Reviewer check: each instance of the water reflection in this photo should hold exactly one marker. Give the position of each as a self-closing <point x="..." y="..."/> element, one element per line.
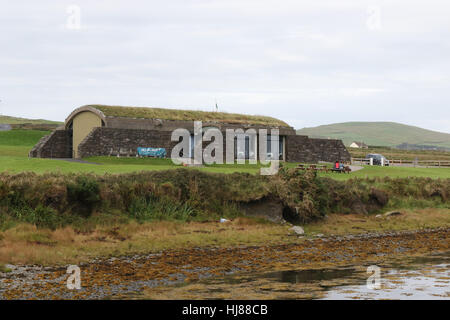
<point x="428" y="282"/>
<point x="305" y="276"/>
<point x="406" y="278"/>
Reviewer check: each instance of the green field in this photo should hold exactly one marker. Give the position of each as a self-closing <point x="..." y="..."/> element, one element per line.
<point x="15" y="145"/>
<point x="393" y="172"/>
<point x="378" y="134"/>
<point x="397" y="154"/>
<point x="19" y="164"/>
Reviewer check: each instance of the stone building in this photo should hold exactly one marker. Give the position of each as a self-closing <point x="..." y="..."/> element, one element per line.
<point x="98" y="130"/>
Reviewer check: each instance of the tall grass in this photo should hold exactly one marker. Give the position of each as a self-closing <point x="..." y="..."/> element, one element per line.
<point x="53" y="200"/>
<point x="143" y="210"/>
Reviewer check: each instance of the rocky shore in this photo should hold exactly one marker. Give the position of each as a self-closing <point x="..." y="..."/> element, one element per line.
<point x="126" y="277"/>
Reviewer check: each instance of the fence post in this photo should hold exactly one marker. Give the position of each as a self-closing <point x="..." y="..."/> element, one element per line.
<point x="371" y="161"/>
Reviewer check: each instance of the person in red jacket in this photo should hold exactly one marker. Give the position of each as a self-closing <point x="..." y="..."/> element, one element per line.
<point x="336" y="165"/>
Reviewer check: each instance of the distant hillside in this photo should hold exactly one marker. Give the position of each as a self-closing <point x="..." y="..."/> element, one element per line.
<point x="14" y="120"/>
<point x="379" y="134"/>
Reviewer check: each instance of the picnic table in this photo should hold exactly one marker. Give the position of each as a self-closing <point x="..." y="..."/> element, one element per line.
<point x="344" y="169"/>
<point x="324" y="168"/>
<point x="312" y="167"/>
<point x="122" y="152"/>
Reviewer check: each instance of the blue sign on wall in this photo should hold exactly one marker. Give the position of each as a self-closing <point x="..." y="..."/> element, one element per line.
<point x="152" y="152"/>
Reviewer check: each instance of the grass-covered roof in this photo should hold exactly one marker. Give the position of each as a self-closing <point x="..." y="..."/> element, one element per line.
<point x="187" y="115"/>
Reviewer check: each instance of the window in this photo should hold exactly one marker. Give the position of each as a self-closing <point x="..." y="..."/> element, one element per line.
<point x="270" y="155"/>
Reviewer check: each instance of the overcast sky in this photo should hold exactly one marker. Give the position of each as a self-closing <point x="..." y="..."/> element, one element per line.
<point x="305" y="62"/>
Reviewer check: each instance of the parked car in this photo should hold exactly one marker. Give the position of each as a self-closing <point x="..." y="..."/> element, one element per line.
<point x="377" y="159"/>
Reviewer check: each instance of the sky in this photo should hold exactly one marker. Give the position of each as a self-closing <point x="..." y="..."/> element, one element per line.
<point x="308" y="63"/>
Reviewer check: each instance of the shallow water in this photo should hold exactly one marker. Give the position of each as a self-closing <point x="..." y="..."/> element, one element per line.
<point x="411" y="278"/>
<point x="430" y="281"/>
<point x="420" y="278"/>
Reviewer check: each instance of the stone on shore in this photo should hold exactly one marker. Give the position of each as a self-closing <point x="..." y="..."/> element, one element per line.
<point x="298" y="230"/>
<point x="392" y="213"/>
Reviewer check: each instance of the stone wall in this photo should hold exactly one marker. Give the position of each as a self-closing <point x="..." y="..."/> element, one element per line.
<point x="330" y="150"/>
<point x="102" y="140"/>
<point x="304" y="149"/>
<point x="58" y="144"/>
<point x="299" y="149"/>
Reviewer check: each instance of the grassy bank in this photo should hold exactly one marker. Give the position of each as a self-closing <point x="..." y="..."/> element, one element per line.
<point x="55" y="200"/>
<point x="62" y="218"/>
<point x="26" y="244"/>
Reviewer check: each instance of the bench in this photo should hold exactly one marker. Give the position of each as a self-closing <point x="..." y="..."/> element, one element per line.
<point x="345" y="169"/>
<point x="122" y="152"/>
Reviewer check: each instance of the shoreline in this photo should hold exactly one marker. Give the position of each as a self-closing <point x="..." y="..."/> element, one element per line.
<point x="122" y="276"/>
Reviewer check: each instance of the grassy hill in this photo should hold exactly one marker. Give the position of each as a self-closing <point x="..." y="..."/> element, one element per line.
<point x="379" y="134"/>
<point x="14" y="120"/>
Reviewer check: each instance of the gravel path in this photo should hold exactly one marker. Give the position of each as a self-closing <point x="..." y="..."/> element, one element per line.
<point x="355" y="168"/>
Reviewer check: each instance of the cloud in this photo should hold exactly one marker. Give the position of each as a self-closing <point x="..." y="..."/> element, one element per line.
<point x="299" y="61"/>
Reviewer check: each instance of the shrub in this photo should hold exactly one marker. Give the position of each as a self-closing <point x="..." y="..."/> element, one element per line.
<point x="54" y="199"/>
<point x="160" y="209"/>
<point x="84" y="194"/>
